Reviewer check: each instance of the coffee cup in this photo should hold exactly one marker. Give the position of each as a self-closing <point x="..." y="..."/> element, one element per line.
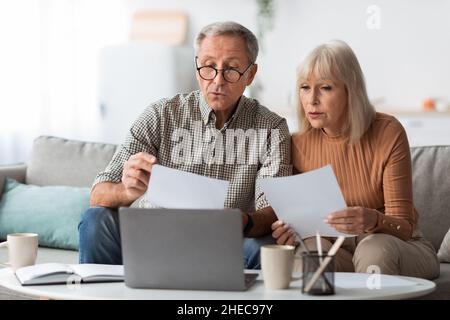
<point x="277" y="262"/>
<point x="22" y="250"/>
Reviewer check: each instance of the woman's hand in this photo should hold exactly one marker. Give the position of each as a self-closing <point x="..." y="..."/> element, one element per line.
<point x="353" y="220"/>
<point x="283" y="233"/>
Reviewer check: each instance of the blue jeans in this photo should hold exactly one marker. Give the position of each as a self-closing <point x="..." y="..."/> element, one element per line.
<point x="100" y="240"/>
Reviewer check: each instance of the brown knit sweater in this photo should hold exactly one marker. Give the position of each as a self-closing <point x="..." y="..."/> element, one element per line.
<point x="373" y="173"/>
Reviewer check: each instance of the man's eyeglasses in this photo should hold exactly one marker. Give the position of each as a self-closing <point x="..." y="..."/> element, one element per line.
<point x="229" y="74"/>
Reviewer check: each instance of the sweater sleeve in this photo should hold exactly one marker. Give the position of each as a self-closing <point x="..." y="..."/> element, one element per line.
<point x="398" y="218"/>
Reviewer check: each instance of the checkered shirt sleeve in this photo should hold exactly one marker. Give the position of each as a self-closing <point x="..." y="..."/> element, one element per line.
<point x="143" y="136"/>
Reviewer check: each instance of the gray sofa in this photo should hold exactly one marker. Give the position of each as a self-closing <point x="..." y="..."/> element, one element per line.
<point x="56" y="161"/>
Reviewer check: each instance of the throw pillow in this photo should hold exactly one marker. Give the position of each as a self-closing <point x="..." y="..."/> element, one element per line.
<point x="444" y="250"/>
<point x="53" y="212"/>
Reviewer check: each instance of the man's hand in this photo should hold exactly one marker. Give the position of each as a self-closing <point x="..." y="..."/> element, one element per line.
<point x="136" y="174"/>
<point x="244" y="220"/>
<point x="284" y="233"/>
<point x="353" y="220"/>
<point x="262" y="220"/>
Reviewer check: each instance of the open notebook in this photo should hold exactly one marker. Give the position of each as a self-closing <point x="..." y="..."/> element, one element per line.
<point x="53" y="273"/>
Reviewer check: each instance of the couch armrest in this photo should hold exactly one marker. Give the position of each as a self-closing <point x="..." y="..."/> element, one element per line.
<point x="16" y="171"/>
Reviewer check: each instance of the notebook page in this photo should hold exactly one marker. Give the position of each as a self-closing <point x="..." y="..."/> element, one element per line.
<point x="31" y="272"/>
<point x="88" y="270"/>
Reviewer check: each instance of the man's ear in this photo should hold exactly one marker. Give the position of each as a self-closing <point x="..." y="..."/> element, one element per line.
<point x="197" y="76"/>
<point x="251" y="74"/>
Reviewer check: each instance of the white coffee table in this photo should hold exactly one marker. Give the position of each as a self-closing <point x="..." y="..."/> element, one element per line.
<point x="348" y="286"/>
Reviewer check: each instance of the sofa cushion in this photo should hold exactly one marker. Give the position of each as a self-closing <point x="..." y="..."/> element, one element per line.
<point x="15" y="171"/>
<point x="52" y="212"/>
<point x="431" y="186"/>
<point x="56" y="161"/>
<point x="444" y="250"/>
<point x="442" y="291"/>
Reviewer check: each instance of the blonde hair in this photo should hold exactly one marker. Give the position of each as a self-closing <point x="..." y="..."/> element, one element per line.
<point x="335" y="60"/>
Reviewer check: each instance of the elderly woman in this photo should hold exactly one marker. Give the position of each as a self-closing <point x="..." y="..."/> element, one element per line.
<point x="370" y="156"/>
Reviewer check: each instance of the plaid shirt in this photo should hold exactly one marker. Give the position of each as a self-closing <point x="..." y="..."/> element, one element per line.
<point x="178" y="131"/>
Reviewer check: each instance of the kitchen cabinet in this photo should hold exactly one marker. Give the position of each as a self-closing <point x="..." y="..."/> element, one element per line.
<point x="422" y="128"/>
<point x="426" y="128"/>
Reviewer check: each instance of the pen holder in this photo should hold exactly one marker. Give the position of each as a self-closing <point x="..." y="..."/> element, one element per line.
<point x="317" y="283"/>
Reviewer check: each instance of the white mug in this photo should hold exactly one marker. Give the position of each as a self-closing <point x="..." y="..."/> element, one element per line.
<point x="22" y="249"/>
<point x="277" y="262"/>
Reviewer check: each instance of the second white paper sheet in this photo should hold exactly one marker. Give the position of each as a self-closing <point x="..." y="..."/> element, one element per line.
<point x="176" y="189"/>
<point x="305" y="200"/>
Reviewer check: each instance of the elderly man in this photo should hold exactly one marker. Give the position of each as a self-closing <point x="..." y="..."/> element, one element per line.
<point x="216" y="132"/>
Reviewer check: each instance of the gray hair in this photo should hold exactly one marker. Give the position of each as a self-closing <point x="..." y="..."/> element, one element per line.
<point x="336" y="60"/>
<point x="229" y="28"/>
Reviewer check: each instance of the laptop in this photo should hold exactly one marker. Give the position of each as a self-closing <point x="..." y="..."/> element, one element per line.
<point x="183" y="249"/>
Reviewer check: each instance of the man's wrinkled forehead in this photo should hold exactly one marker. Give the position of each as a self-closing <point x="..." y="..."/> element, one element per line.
<point x="226" y="48"/>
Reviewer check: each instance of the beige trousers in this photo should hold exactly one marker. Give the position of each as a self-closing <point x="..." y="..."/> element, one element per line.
<point x="381" y="253"/>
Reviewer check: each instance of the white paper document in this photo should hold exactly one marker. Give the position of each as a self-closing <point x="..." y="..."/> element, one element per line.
<point x="305" y="200"/>
<point x="176" y="189"/>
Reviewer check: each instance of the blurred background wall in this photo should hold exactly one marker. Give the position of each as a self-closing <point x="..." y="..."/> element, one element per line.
<point x="72" y="68"/>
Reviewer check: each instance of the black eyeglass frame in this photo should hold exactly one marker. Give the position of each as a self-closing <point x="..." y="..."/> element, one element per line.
<point x="222" y="71"/>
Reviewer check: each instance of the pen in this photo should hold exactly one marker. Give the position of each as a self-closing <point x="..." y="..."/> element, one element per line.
<point x="319" y="251"/>
<point x="319" y="245"/>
